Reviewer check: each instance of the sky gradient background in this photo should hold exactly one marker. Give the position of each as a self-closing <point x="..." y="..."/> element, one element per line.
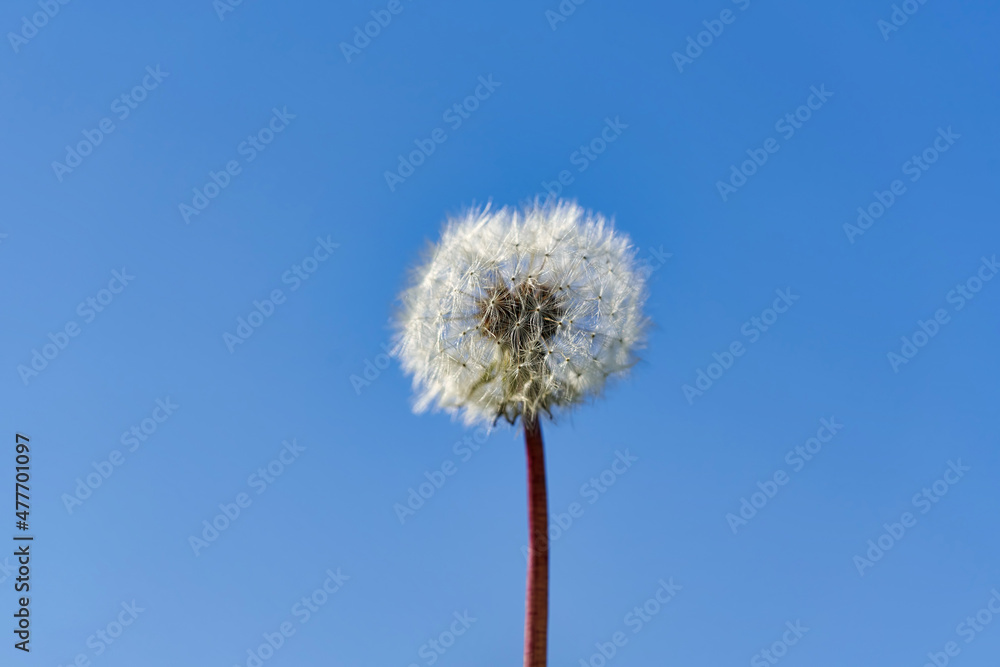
<point x="323" y="176"/>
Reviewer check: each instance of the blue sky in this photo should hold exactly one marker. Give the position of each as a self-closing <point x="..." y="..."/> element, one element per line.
<point x="172" y="169"/>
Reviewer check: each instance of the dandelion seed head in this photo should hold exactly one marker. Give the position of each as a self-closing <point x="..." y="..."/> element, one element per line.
<point x="518" y="312"/>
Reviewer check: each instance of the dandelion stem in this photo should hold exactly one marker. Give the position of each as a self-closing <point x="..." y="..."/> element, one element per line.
<point x="536" y="620"/>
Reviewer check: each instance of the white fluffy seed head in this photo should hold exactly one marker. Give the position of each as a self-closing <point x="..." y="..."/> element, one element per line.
<point x="518" y="312"/>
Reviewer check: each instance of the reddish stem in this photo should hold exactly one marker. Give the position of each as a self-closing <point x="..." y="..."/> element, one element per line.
<point x="536" y="620"/>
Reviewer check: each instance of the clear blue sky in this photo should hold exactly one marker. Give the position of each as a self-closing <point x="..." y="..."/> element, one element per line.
<point x="287" y="136"/>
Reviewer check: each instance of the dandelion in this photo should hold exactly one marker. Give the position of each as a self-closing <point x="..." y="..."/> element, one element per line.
<point x="523" y="314"/>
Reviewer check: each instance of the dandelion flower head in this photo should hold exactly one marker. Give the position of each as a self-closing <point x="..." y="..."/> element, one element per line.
<point x="517" y="312"/>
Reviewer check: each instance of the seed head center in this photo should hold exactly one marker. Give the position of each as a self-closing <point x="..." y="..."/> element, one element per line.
<point x="520" y="318"/>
